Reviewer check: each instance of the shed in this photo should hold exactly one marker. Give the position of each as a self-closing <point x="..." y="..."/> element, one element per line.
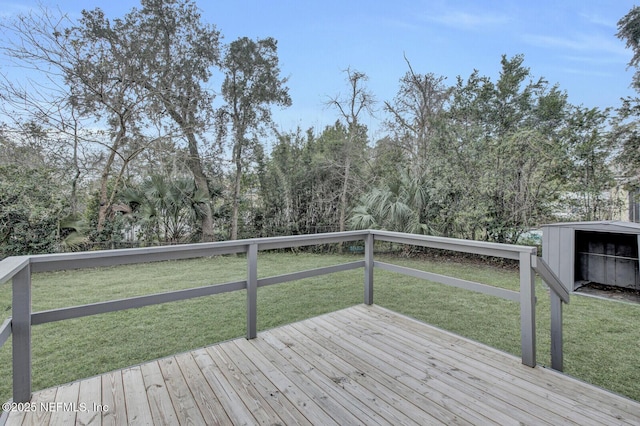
<point x="604" y="252"/>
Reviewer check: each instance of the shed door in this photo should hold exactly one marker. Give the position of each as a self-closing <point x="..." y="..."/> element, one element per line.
<point x="607" y="258"/>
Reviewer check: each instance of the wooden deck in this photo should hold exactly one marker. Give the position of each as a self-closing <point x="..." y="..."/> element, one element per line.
<point x="362" y="365"/>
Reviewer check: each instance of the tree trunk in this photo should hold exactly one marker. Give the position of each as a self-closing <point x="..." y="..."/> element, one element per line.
<point x="104" y="196"/>
<point x="105" y="199"/>
<point x="236" y="192"/>
<point x="76" y="177"/>
<point x="236" y="205"/>
<point x="194" y="164"/>
<point x="343" y="196"/>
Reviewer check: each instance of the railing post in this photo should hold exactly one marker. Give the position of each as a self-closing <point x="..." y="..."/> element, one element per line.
<point x="368" y="269"/>
<point x="21" y="330"/>
<point x="252" y="290"/>
<point x="558" y="295"/>
<point x="527" y="310"/>
<point x="556" y="331"/>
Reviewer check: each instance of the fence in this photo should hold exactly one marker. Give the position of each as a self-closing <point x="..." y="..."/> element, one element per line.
<point x="19" y="270"/>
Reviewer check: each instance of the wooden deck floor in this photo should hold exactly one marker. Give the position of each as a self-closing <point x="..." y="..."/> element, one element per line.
<point x="362" y="365"/>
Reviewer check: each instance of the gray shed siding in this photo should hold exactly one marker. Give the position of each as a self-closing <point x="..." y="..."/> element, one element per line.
<point x="558" y="248"/>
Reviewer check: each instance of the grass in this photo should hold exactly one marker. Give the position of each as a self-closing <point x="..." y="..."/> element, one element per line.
<point x="602" y="338"/>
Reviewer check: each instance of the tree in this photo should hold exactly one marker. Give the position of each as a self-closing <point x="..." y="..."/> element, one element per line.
<point x="626" y="127"/>
<point x="387" y="160"/>
<point x="29" y="145"/>
<point x="518" y="155"/>
<point x="284" y="188"/>
<point x="167" y="210"/>
<point x="327" y="164"/>
<point x="90" y="80"/>
<point x="31" y="208"/>
<point x="176" y="54"/>
<point x="48" y="119"/>
<point x="44" y="103"/>
<point x="626" y="131"/>
<point x="358" y="101"/>
<point x="629" y="31"/>
<point x="591" y="150"/>
<point x="487" y="156"/>
<point x="400" y="205"/>
<point x="103" y="83"/>
<point x="23" y="147"/>
<point x="302" y="182"/>
<point x="252" y="84"/>
<point x="414" y="114"/>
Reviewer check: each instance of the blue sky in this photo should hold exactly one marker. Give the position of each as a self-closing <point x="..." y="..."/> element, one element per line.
<point x="569" y="42"/>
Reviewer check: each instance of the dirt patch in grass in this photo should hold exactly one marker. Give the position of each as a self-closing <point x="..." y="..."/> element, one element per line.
<point x="610" y="292"/>
<point x="447" y="256"/>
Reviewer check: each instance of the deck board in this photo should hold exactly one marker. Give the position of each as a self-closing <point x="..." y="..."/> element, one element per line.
<point x="136" y="398"/>
<point x="158" y="396"/>
<point x="212" y="411"/>
<point x="184" y="404"/>
<point x="67" y="394"/>
<point x="362" y="365"/>
<point x="90" y="392"/>
<point x="228" y="397"/>
<point x="113" y="398"/>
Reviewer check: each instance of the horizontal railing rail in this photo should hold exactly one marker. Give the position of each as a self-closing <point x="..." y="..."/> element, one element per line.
<point x="506" y="251"/>
<point x="310" y="273"/>
<point x="451" y="281"/>
<point x="67" y="261"/>
<point x="72" y="312"/>
<point x="19" y="270"/>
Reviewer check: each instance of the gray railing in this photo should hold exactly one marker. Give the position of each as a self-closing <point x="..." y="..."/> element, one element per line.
<point x="19" y="269"/>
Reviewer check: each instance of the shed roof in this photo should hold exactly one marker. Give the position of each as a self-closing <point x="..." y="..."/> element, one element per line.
<point x="614" y="226"/>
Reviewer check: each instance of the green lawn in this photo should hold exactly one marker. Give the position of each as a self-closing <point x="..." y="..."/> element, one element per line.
<point x="602" y="338"/>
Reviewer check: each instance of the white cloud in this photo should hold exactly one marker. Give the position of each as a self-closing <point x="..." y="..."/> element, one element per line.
<point x="587" y="71"/>
<point x="579" y="42"/>
<point x="596" y="19"/>
<point x="467" y="20"/>
<point x="597" y="60"/>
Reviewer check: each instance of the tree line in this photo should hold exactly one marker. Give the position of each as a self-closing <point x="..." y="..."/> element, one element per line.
<point x="116" y="135"/>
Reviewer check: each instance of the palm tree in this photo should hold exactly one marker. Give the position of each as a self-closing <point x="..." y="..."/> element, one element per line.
<point x="169" y="209"/>
<point x="399" y="205"/>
